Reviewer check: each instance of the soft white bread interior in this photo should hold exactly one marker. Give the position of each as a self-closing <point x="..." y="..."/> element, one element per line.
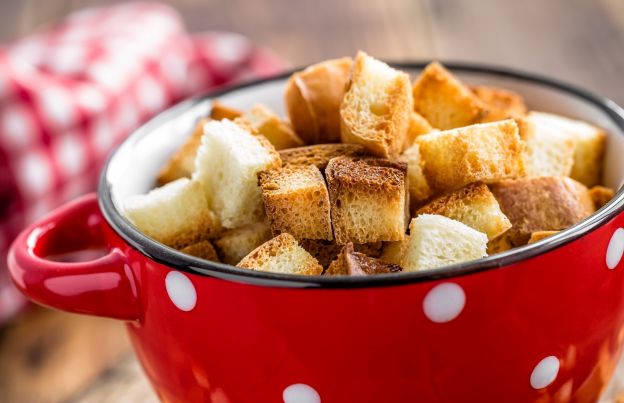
<point x="375" y="110"/>
<point x="234" y="244"/>
<point x="281" y="254"/>
<point x="484" y="152"/>
<point x="418" y="186"/>
<point x="175" y="214"/>
<point x="227" y="164"/>
<point x="182" y="163"/>
<point x="437" y="241"/>
<point x="297" y="202"/>
<point x="588" y="148"/>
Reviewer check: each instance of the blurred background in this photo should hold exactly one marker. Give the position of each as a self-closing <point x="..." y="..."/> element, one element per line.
<point x="48" y="356"/>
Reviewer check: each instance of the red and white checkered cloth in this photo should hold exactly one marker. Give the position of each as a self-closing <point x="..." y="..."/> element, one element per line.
<point x="69" y="94"/>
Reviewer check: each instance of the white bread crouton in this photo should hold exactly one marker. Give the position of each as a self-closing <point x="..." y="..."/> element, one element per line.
<point x="418" y="186"/>
<point x="473" y="205"/>
<point x="484" y="152"/>
<point x="312" y="98"/>
<point x="319" y="154"/>
<point x="175" y="214"/>
<point x="218" y="111"/>
<point x="281" y="254"/>
<point x="182" y="163"/>
<point x="588" y="149"/>
<point x="202" y="250"/>
<point x="444" y="101"/>
<point x="501" y="103"/>
<point x="541" y="204"/>
<point x="352" y="263"/>
<point x="279" y="133"/>
<point x="227" y="164"/>
<point x="369" y="199"/>
<point x="296" y="201"/>
<point x="234" y="244"/>
<point x="375" y="110"/>
<point x="548" y="152"/>
<point x="437" y="241"/>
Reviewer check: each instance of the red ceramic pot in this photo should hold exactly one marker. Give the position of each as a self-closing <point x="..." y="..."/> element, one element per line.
<point x="542" y="323"/>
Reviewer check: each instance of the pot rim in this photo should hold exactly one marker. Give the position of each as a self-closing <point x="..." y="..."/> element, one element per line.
<point x="190" y="264"/>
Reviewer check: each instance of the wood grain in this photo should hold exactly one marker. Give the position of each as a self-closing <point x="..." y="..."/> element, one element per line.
<point x="48" y="356"/>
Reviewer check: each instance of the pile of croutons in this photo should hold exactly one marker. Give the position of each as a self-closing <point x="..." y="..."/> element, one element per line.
<point x="372" y="174"/>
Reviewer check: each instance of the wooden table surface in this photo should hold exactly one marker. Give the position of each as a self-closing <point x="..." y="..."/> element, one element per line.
<point x="48" y="356"/>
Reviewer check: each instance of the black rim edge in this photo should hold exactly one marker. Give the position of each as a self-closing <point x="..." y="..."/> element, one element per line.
<point x="177" y="260"/>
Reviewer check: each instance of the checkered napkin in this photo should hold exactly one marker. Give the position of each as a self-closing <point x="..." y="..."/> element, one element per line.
<point x="69" y="94"/>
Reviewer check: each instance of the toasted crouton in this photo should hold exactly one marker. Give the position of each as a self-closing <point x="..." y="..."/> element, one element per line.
<point x="296" y="201"/>
<point x="548" y="152"/>
<point x="281" y="254"/>
<point x="319" y="154"/>
<point x="393" y="252"/>
<point x="219" y="111"/>
<point x="479" y="153"/>
<point x="313" y="98"/>
<point x="278" y="132"/>
<point x="539" y="235"/>
<point x="202" y="250"/>
<point x="437" y="241"/>
<point x="326" y="251"/>
<point x="351" y="263"/>
<point x="227" y="164"/>
<point x="541" y="204"/>
<point x="375" y="110"/>
<point x="473" y="205"/>
<point x="182" y="164"/>
<point x="234" y="244"/>
<point x="369" y="199"/>
<point x="418" y="186"/>
<point x="502" y="243"/>
<point x="601" y="195"/>
<point x="444" y="101"/>
<point x="417" y="125"/>
<point x="502" y="104"/>
<point x="588" y="149"/>
<point x="175" y="214"/>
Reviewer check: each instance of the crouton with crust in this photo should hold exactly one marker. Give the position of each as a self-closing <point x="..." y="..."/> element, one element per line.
<point x="352" y="263"/>
<point x="319" y="154"/>
<point x="234" y="244"/>
<point x="279" y="132"/>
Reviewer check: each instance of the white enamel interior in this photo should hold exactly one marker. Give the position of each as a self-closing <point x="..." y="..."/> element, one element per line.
<point x="136" y="163"/>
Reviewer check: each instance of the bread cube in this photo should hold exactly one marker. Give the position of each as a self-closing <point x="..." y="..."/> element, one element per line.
<point x="281" y="254"/>
<point x="548" y="152"/>
<point x="352" y="263"/>
<point x="369" y="199"/>
<point x="279" y="133"/>
<point x="503" y="243"/>
<point x="319" y="154"/>
<point x="313" y="97"/>
<point x="437" y="241"/>
<point x="375" y="110"/>
<point x="417" y="125"/>
<point x="601" y="195"/>
<point x="589" y="145"/>
<point x="175" y="214"/>
<point x="418" y="186"/>
<point x="227" y="164"/>
<point x="202" y="250"/>
<point x="393" y="252"/>
<point x="473" y="205"/>
<point x="444" y="101"/>
<point x="539" y="235"/>
<point x="219" y="111"/>
<point x="234" y="244"/>
<point x="182" y="163"/>
<point x="327" y="251"/>
<point x="296" y="201"/>
<point x="541" y="204"/>
<point x="485" y="152"/>
<point x="502" y="104"/>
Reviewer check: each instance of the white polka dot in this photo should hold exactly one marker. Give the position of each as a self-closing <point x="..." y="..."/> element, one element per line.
<point x="67" y="59"/>
<point x="90" y="98"/>
<point x="444" y="302"/>
<point x="70" y="153"/>
<point x="151" y="95"/>
<point x="35" y="173"/>
<point x="57" y="106"/>
<point x="300" y="393"/>
<point x="545" y="372"/>
<point x="17" y="126"/>
<point x="615" y="248"/>
<point x="102" y="134"/>
<point x="181" y="291"/>
<point x="232" y="47"/>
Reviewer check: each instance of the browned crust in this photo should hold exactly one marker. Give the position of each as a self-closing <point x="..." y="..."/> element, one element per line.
<point x="352" y="263"/>
<point x="418" y="125"/>
<point x="181" y="164"/>
<point x="202" y="250"/>
<point x="319" y="154"/>
<point x="601" y="195"/>
<point x="279" y="132"/>
<point x="326" y="251"/>
<point x="539" y="235"/>
<point x="502" y="103"/>
<point x="218" y="111"/>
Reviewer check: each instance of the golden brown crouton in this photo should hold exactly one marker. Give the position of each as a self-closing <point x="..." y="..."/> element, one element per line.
<point x="279" y="133"/>
<point x="326" y="251"/>
<point x="444" y="101"/>
<point x="417" y="125"/>
<point x="313" y="98"/>
<point x="502" y="104"/>
<point x="539" y="235"/>
<point x="220" y="111"/>
<point x="234" y="244"/>
<point x="182" y="164"/>
<point x="202" y="250"/>
<point x="319" y="154"/>
<point x="601" y="195"/>
<point x="375" y="110"/>
<point x="418" y="186"/>
<point x="351" y="263"/>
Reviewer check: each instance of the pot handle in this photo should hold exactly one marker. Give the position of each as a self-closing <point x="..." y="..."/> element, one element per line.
<point x="104" y="286"/>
